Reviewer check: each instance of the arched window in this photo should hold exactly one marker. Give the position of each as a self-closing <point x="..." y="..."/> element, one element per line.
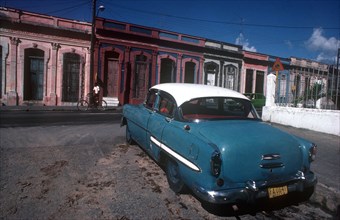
<point x="167" y="73"/>
<point x="211" y="72"/>
<point x="71" y="73"/>
<point x="111" y="74"/>
<point x="249" y="80"/>
<point x="140" y="76"/>
<point x="229" y="77"/>
<point x="189" y="75"/>
<point x="33" y="74"/>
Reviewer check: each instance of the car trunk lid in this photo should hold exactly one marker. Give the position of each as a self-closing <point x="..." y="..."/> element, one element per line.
<point x="253" y="150"/>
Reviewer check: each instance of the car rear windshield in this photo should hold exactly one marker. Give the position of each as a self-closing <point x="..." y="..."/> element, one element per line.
<point x="218" y="108"/>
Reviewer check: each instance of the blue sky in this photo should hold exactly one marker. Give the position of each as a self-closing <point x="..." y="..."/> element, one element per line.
<point x="288" y="28"/>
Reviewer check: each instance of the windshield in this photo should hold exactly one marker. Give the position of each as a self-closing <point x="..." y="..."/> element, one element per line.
<point x="215" y="108"/>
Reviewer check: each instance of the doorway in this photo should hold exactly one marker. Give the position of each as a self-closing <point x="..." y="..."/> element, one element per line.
<point x="111" y="75"/>
<point x="167" y="73"/>
<point x="189" y="75"/>
<point x="33" y="74"/>
<point x="71" y="72"/>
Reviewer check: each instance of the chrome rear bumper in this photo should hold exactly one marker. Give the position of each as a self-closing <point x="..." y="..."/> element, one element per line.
<point x="253" y="191"/>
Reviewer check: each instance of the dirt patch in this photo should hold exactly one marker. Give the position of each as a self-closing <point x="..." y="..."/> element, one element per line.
<point x="55" y="169"/>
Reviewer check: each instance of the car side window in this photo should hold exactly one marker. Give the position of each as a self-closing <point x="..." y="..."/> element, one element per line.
<point x="150" y="99"/>
<point x="166" y="106"/>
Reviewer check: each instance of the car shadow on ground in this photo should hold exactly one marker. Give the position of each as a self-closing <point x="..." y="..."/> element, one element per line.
<point x="263" y="206"/>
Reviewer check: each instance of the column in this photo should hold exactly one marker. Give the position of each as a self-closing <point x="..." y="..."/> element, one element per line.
<point x="220" y="75"/>
<point x="96" y="74"/>
<point x="127" y="76"/>
<point x="270" y="93"/>
<point x="180" y="69"/>
<point x="153" y="71"/>
<point x="254" y="81"/>
<point x="12" y="95"/>
<point x="200" y="74"/>
<point x="52" y="80"/>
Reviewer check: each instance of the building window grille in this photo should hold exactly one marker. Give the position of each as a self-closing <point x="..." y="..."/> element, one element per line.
<point x="211" y="71"/>
<point x="189" y="75"/>
<point x="139" y="82"/>
<point x="167" y="73"/>
<point x="229" y="77"/>
<point x="71" y="73"/>
<point x="34" y="74"/>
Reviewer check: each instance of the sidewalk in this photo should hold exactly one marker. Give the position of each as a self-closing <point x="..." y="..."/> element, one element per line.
<point x="50" y="108"/>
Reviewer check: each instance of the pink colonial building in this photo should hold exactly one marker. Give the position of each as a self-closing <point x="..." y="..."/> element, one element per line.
<point x="254" y="72"/>
<point x="131" y="58"/>
<point x="44" y="59"/>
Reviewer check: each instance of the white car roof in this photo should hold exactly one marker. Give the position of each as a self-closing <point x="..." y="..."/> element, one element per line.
<point x="183" y="92"/>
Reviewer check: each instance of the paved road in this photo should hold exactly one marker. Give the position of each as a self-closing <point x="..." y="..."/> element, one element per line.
<point x="68" y="170"/>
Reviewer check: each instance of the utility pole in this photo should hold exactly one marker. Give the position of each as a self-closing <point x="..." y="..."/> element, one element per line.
<point x="338" y="77"/>
<point x="94" y="2"/>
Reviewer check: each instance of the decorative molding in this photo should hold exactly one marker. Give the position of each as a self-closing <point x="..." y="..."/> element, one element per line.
<point x="15" y="41"/>
<point x="55" y="46"/>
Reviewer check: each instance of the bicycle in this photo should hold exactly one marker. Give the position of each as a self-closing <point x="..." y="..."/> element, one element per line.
<point x="84" y="105"/>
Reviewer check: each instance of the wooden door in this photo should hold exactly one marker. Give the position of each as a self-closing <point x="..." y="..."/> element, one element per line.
<point x="112" y="78"/>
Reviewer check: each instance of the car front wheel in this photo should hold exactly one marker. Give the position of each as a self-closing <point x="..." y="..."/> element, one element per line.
<point x="128" y="137"/>
<point x="174" y="177"/>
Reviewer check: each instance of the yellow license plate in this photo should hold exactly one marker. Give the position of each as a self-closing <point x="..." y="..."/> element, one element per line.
<point x="277" y="191"/>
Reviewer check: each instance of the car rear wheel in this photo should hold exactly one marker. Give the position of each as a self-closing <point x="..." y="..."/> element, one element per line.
<point x="308" y="192"/>
<point x="174" y="177"/>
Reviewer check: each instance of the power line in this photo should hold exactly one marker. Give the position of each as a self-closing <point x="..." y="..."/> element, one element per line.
<point x="115" y="13"/>
<point x="71" y="7"/>
<point x="59" y="6"/>
<point x="222" y="22"/>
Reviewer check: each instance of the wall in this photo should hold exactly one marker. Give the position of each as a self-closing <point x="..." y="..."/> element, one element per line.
<point x="326" y="121"/>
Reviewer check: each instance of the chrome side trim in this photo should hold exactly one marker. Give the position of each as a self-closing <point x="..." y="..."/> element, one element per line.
<point x="271" y="165"/>
<point x="271" y="157"/>
<point x="175" y="155"/>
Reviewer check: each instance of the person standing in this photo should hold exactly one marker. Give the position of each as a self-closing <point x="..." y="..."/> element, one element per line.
<point x="96" y="90"/>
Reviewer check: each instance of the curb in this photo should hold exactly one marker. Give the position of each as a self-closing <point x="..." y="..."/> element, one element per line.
<point x="52" y="108"/>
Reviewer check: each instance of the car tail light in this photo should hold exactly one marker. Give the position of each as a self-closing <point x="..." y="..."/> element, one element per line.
<point x="312" y="152"/>
<point x="215" y="163"/>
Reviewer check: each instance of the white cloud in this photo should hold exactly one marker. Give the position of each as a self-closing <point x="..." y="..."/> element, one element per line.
<point x="289" y="44"/>
<point x="326" y="58"/>
<point x="240" y="40"/>
<point x="327" y="47"/>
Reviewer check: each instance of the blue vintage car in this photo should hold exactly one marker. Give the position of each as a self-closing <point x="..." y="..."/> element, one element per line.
<point x="211" y="140"/>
